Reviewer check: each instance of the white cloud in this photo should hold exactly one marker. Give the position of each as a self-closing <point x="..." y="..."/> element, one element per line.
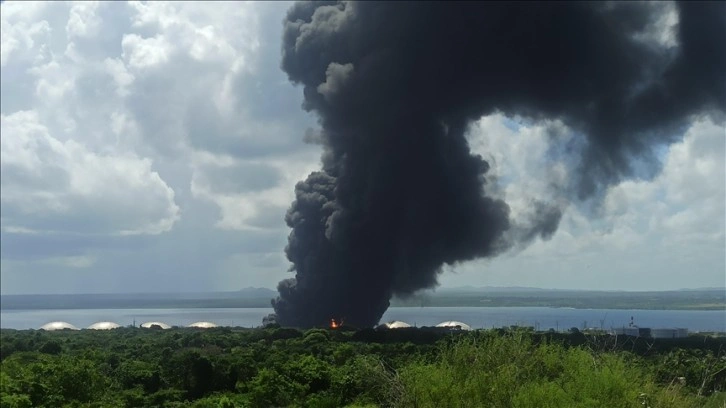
<point x="107" y="108"/>
<point x="19" y="34"/>
<point x="249" y="208"/>
<point x="517" y="153"/>
<point x="121" y="76"/>
<point x="54" y="83"/>
<point x="210" y="31"/>
<point x="83" y="20"/>
<point x="685" y="203"/>
<point x="141" y="53"/>
<point x="664" y="233"/>
<point x="50" y="185"/>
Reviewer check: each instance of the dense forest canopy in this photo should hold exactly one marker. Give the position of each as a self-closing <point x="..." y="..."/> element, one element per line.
<point x="223" y="367"/>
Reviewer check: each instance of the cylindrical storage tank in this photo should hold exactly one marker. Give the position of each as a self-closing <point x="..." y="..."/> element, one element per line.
<point x="58" y="326"/>
<point x="203" y="325"/>
<point x="104" y="326"/>
<point x="155" y="325"/>
<point x="452" y="324"/>
<point x="397" y="325"/>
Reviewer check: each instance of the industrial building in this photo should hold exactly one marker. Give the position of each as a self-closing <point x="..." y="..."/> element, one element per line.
<point x="647" y="332"/>
<point x="669" y="333"/>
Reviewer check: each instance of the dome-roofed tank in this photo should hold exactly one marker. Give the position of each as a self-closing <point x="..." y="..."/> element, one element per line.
<point x="396" y="324"/>
<point x="203" y="325"/>
<point x="104" y="326"/>
<point x="452" y="324"/>
<point x="58" y="326"/>
<point x="155" y="325"/>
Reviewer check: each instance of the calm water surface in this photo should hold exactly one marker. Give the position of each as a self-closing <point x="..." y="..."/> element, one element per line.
<point x="543" y="318"/>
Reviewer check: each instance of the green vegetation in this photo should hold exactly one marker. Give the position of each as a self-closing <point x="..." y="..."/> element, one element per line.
<point x="275" y="366"/>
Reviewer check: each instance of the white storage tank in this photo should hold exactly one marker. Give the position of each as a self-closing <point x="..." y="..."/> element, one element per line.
<point x="203" y="325"/>
<point x="453" y="324"/>
<point x="397" y="324"/>
<point x="155" y="325"/>
<point x="104" y="326"/>
<point x="58" y="326"/>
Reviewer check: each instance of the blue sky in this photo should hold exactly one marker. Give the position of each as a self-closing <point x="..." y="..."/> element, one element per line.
<point x="155" y="147"/>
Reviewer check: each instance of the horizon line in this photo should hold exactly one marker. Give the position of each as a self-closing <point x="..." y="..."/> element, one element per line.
<point x="465" y="287"/>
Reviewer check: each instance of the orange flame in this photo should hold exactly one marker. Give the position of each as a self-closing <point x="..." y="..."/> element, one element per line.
<point x="335" y="324"/>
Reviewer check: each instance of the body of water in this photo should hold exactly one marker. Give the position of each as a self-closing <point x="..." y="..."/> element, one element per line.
<point x="542" y="318"/>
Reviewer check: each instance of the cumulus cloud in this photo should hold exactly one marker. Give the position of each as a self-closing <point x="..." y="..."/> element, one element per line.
<point x="107" y="108"/>
<point x="251" y="194"/>
<point x="685" y="204"/>
<point x="20" y="33"/>
<point x="142" y="53"/>
<point x="83" y="20"/>
<point x="656" y="233"/>
<point x="49" y="185"/>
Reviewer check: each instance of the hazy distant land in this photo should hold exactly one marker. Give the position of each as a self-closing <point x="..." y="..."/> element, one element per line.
<point x="686" y="299"/>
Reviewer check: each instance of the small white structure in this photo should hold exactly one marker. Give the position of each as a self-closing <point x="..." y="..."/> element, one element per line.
<point x="397" y="324"/>
<point x="154" y="325"/>
<point x="452" y="324"/>
<point x="203" y="325"/>
<point x="58" y="326"/>
<point x="104" y="326"/>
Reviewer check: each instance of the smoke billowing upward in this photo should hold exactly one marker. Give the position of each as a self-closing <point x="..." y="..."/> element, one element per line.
<point x="396" y="86"/>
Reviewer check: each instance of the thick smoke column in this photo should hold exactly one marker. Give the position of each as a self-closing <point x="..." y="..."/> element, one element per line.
<point x="395" y="87"/>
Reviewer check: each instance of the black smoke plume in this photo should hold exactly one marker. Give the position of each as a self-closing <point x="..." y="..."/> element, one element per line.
<point x="395" y="87"/>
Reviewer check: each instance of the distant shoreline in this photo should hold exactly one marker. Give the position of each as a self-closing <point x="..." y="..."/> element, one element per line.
<point x="703" y="299"/>
<point x="245" y="305"/>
